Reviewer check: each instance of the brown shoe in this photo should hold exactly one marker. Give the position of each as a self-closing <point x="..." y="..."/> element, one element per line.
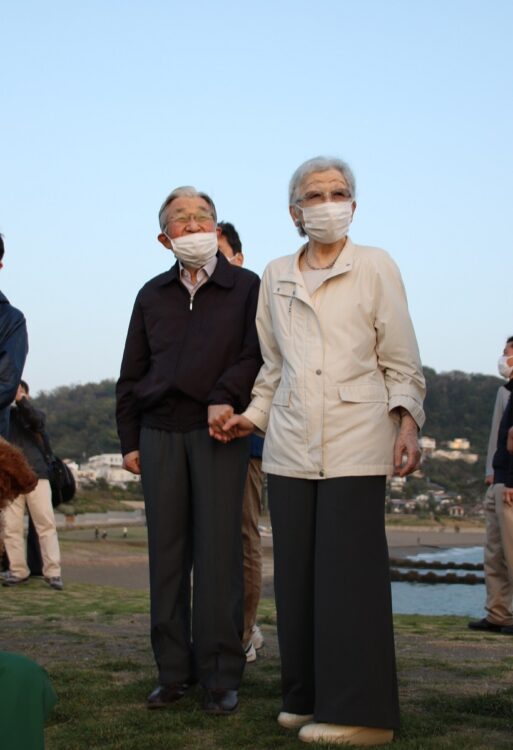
<point x="165" y="695"/>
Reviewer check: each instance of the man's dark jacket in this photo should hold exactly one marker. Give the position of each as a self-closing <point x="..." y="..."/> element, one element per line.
<point x="13" y="352"/>
<point x="27" y="424"/>
<point x="182" y="355"/>
<point x="502" y="460"/>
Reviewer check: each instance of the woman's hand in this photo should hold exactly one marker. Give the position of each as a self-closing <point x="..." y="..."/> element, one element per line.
<point x="239" y="426"/>
<point x="406" y="445"/>
<point x="508" y="496"/>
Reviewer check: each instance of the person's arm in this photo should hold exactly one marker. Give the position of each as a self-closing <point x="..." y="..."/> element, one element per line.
<point x="498" y="410"/>
<point x="399" y="359"/>
<point x="509" y="444"/>
<point x="257" y="413"/>
<point x="13" y="352"/>
<point x="135" y="363"/>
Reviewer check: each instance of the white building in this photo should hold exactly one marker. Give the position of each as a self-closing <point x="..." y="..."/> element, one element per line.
<point x="108" y="466"/>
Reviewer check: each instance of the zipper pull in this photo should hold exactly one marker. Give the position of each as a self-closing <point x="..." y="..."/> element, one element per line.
<point x="191" y="300"/>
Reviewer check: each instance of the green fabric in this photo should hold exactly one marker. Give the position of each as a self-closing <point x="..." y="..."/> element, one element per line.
<point x="26" y="699"/>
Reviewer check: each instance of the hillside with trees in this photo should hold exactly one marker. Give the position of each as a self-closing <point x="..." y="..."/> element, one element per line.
<point x="81" y="420"/>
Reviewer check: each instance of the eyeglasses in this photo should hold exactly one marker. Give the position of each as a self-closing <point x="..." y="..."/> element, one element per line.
<point x="198" y="218"/>
<point x="313" y="198"/>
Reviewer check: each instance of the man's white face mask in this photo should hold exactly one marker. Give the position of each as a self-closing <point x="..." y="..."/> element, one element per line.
<point x="327" y="222"/>
<point x="504" y="369"/>
<point x="196" y="249"/>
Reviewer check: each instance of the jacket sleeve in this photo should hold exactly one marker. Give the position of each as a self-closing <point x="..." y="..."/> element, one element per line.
<point x="235" y="384"/>
<point x="397" y="350"/>
<point x="501" y="401"/>
<point x="270" y="373"/>
<point x="13" y="352"/>
<point x="135" y="364"/>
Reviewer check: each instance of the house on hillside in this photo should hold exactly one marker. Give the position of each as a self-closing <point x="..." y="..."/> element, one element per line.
<point x="108" y="466"/>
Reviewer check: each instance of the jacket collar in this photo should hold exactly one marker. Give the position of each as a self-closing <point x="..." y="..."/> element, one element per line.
<point x="3" y="298"/>
<point x="224" y="273"/>
<point x="343" y="264"/>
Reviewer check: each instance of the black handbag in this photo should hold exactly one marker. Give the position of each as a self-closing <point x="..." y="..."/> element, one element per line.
<point x="62" y="481"/>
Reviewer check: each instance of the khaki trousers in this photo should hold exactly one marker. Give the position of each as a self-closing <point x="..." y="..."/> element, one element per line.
<point x="251" y="544"/>
<point x="39" y="503"/>
<point x="498" y="557"/>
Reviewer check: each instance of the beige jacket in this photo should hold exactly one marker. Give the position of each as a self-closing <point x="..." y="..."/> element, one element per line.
<point x="335" y="365"/>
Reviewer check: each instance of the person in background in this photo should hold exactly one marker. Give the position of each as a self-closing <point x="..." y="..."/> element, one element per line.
<point x="13" y="352"/>
<point x="339" y="397"/>
<point x="190" y="360"/>
<point x="27" y="695"/>
<point x="230" y="245"/>
<point x="498" y="554"/>
<point x="26" y="427"/>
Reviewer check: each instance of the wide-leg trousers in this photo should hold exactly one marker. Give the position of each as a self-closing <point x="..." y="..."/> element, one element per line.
<point x="193" y="487"/>
<point x="333" y="600"/>
<point x="252" y="544"/>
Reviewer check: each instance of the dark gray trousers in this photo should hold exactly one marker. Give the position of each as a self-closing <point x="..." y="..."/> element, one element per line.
<point x="333" y="600"/>
<point x="193" y="488"/>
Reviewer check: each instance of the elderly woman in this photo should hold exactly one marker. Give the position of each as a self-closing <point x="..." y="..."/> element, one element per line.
<point x="339" y="397"/>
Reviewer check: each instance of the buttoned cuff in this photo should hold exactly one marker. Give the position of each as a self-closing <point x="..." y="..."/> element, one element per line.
<point x="411" y="405"/>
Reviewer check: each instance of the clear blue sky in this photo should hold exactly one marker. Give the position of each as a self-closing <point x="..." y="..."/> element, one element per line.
<point x="107" y="105"/>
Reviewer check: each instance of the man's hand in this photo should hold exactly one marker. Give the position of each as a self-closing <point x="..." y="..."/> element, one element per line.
<point x="509" y="444"/>
<point x="406" y="444"/>
<point x="489" y="480"/>
<point x="508" y="496"/>
<point x="218" y="415"/>
<point x="131" y="462"/>
<point x="239" y="426"/>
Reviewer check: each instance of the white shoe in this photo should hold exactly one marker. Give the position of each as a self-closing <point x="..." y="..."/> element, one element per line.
<point x="293" y="721"/>
<point x="250" y="651"/>
<point x="340" y="734"/>
<point x="257" y="637"/>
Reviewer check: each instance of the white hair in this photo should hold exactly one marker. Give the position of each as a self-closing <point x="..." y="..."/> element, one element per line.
<point x="187" y="191"/>
<point x="320" y="164"/>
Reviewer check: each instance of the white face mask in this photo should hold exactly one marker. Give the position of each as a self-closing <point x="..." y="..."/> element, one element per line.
<point x="327" y="222"/>
<point x="504" y="369"/>
<point x="196" y="249"/>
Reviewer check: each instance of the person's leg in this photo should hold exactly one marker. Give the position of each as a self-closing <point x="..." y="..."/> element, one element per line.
<point x="39" y="504"/>
<point x="251" y="544"/>
<point x="13" y="537"/>
<point x="165" y="481"/>
<point x="292" y="504"/>
<point x="498" y="586"/>
<point x="505" y="518"/>
<point x="355" y="673"/>
<point x="218" y="472"/>
<point x="34" y="558"/>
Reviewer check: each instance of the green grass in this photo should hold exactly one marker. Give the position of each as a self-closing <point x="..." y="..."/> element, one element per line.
<point x="456" y="685"/>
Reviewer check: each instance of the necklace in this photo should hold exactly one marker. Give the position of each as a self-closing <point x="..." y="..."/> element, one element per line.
<point x="321" y="268"/>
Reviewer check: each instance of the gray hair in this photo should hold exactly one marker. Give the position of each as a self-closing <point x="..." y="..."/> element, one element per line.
<point x="183" y="192"/>
<point x="320" y="164"/>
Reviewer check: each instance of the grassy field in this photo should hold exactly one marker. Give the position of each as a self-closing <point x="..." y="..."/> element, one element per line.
<point x="456" y="686"/>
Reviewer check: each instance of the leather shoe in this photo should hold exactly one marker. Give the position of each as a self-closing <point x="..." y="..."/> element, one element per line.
<point x="165" y="695"/>
<point x="485" y="625"/>
<point x="220" y="702"/>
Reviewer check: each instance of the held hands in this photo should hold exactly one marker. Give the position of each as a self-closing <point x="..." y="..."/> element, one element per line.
<point x="406" y="445"/>
<point x="224" y="425"/>
<point x="131" y="462"/>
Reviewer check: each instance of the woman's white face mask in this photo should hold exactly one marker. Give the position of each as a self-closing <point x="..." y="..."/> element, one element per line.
<point x="327" y="222"/>
<point x="504" y="369"/>
<point x="196" y="249"/>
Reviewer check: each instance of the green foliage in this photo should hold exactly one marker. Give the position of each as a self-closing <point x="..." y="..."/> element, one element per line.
<point x="460" y="405"/>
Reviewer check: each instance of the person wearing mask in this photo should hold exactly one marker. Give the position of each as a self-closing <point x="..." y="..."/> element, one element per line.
<point x="230" y="245"/>
<point x="191" y="357"/>
<point x="339" y="397"/>
<point x="498" y="554"/>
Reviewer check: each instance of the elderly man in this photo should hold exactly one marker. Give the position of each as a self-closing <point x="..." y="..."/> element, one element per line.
<point x="190" y="360"/>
